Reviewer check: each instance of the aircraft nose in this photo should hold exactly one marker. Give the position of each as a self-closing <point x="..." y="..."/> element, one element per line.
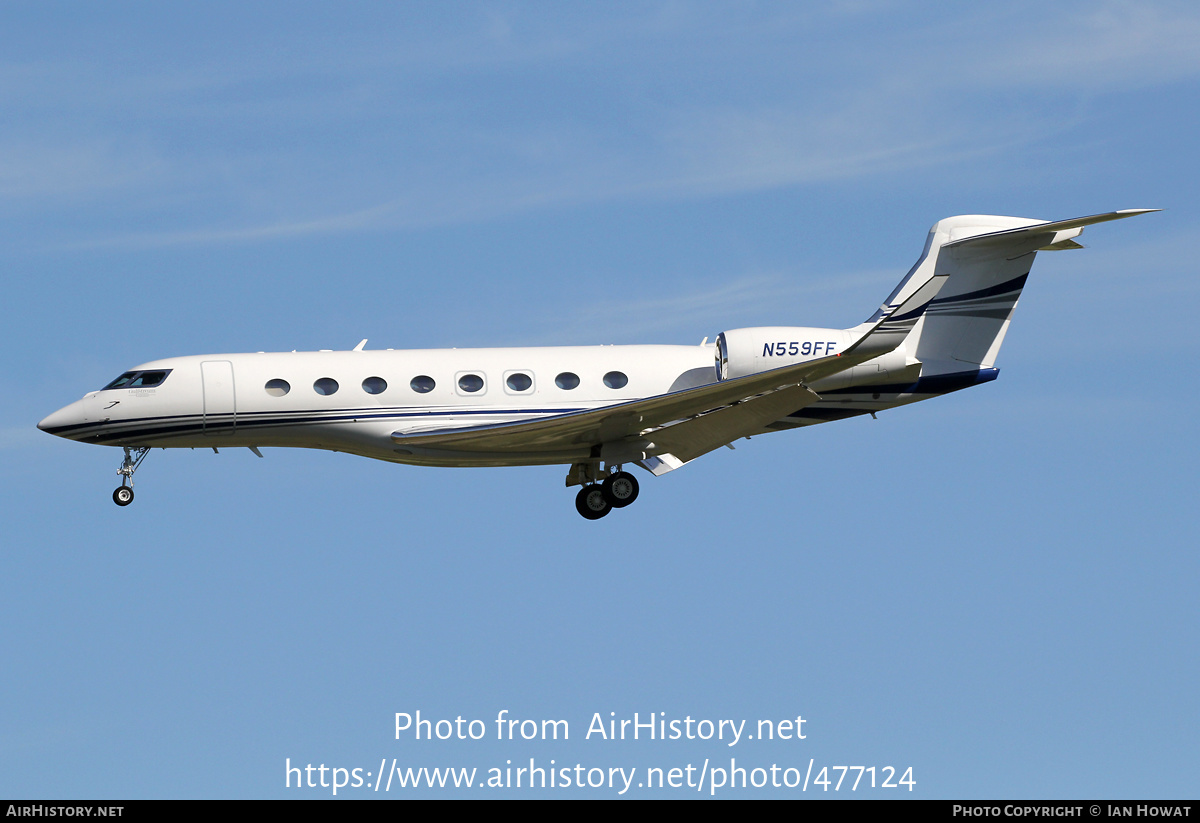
<point x="63" y="421"/>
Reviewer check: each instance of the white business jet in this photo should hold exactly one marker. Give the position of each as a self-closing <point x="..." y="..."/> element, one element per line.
<point x="595" y="409"/>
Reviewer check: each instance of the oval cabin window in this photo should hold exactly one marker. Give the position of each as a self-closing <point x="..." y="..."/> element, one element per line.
<point x="470" y="383"/>
<point x="519" y="381"/>
<point x="616" y="380"/>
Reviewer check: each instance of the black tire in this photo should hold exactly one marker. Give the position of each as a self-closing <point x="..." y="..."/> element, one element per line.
<point x="592" y="503"/>
<point x="123" y="495"/>
<point x="620" y="489"/>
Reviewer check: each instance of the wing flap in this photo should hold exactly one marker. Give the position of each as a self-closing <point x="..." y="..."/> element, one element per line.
<point x="691" y="438"/>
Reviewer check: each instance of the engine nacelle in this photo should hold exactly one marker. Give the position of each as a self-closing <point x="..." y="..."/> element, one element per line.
<point x="748" y="351"/>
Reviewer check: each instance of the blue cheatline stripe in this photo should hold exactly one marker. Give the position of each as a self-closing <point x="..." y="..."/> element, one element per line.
<point x="932" y="384"/>
<point x="181" y="424"/>
<point x="935" y="384"/>
<point x="1016" y="284"/>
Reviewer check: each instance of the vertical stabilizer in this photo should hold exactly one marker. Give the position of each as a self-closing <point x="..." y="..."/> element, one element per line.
<point x="983" y="261"/>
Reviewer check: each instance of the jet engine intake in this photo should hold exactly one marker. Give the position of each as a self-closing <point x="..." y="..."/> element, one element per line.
<point x="749" y="351"/>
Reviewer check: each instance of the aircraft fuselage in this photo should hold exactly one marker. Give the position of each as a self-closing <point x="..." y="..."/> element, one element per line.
<point x="354" y="401"/>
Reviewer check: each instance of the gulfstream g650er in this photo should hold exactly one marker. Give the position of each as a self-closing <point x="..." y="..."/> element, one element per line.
<point x="593" y="409"/>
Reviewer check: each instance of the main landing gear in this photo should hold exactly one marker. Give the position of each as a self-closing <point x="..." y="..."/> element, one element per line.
<point x="616" y="492"/>
<point x="123" y="494"/>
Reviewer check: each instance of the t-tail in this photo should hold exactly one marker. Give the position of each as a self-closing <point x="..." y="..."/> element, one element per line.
<point x="951" y="311"/>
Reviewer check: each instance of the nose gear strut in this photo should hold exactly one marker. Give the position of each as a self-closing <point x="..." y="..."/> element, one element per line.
<point x="123" y="495"/>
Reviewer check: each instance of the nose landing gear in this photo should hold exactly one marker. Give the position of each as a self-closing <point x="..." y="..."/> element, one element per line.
<point x="123" y="494"/>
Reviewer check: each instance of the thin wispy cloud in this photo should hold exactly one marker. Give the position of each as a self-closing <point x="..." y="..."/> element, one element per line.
<point x="51" y="171"/>
<point x="360" y="220"/>
<point x="764" y="298"/>
<point x="483" y="120"/>
<point x="1101" y="47"/>
<point x="20" y="437"/>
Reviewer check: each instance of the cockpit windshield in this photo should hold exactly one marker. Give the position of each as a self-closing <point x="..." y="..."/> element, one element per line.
<point x="138" y="380"/>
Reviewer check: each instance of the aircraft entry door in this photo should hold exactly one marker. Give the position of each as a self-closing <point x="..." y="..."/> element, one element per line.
<point x="220" y="402"/>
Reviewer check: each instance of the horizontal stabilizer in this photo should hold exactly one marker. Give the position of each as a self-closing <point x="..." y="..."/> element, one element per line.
<point x="1045" y="228"/>
<point x="987" y="259"/>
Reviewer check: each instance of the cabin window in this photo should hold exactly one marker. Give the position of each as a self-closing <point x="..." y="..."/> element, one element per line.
<point x="325" y="386"/>
<point x="519" y="382"/>
<point x="422" y="384"/>
<point x="470" y="383"/>
<point x="616" y="380"/>
<point x="277" y="387"/>
<point x="567" y="380"/>
<point x="374" y="385"/>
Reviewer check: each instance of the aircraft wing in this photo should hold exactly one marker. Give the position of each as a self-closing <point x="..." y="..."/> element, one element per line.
<point x="720" y="412"/>
<point x="685" y="424"/>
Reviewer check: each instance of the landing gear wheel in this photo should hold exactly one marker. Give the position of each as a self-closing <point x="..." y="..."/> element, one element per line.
<point x="620" y="489"/>
<point x="592" y="503"/>
<point x="134" y="455"/>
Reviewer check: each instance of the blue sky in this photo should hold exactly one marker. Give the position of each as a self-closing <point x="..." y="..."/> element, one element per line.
<point x="996" y="588"/>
